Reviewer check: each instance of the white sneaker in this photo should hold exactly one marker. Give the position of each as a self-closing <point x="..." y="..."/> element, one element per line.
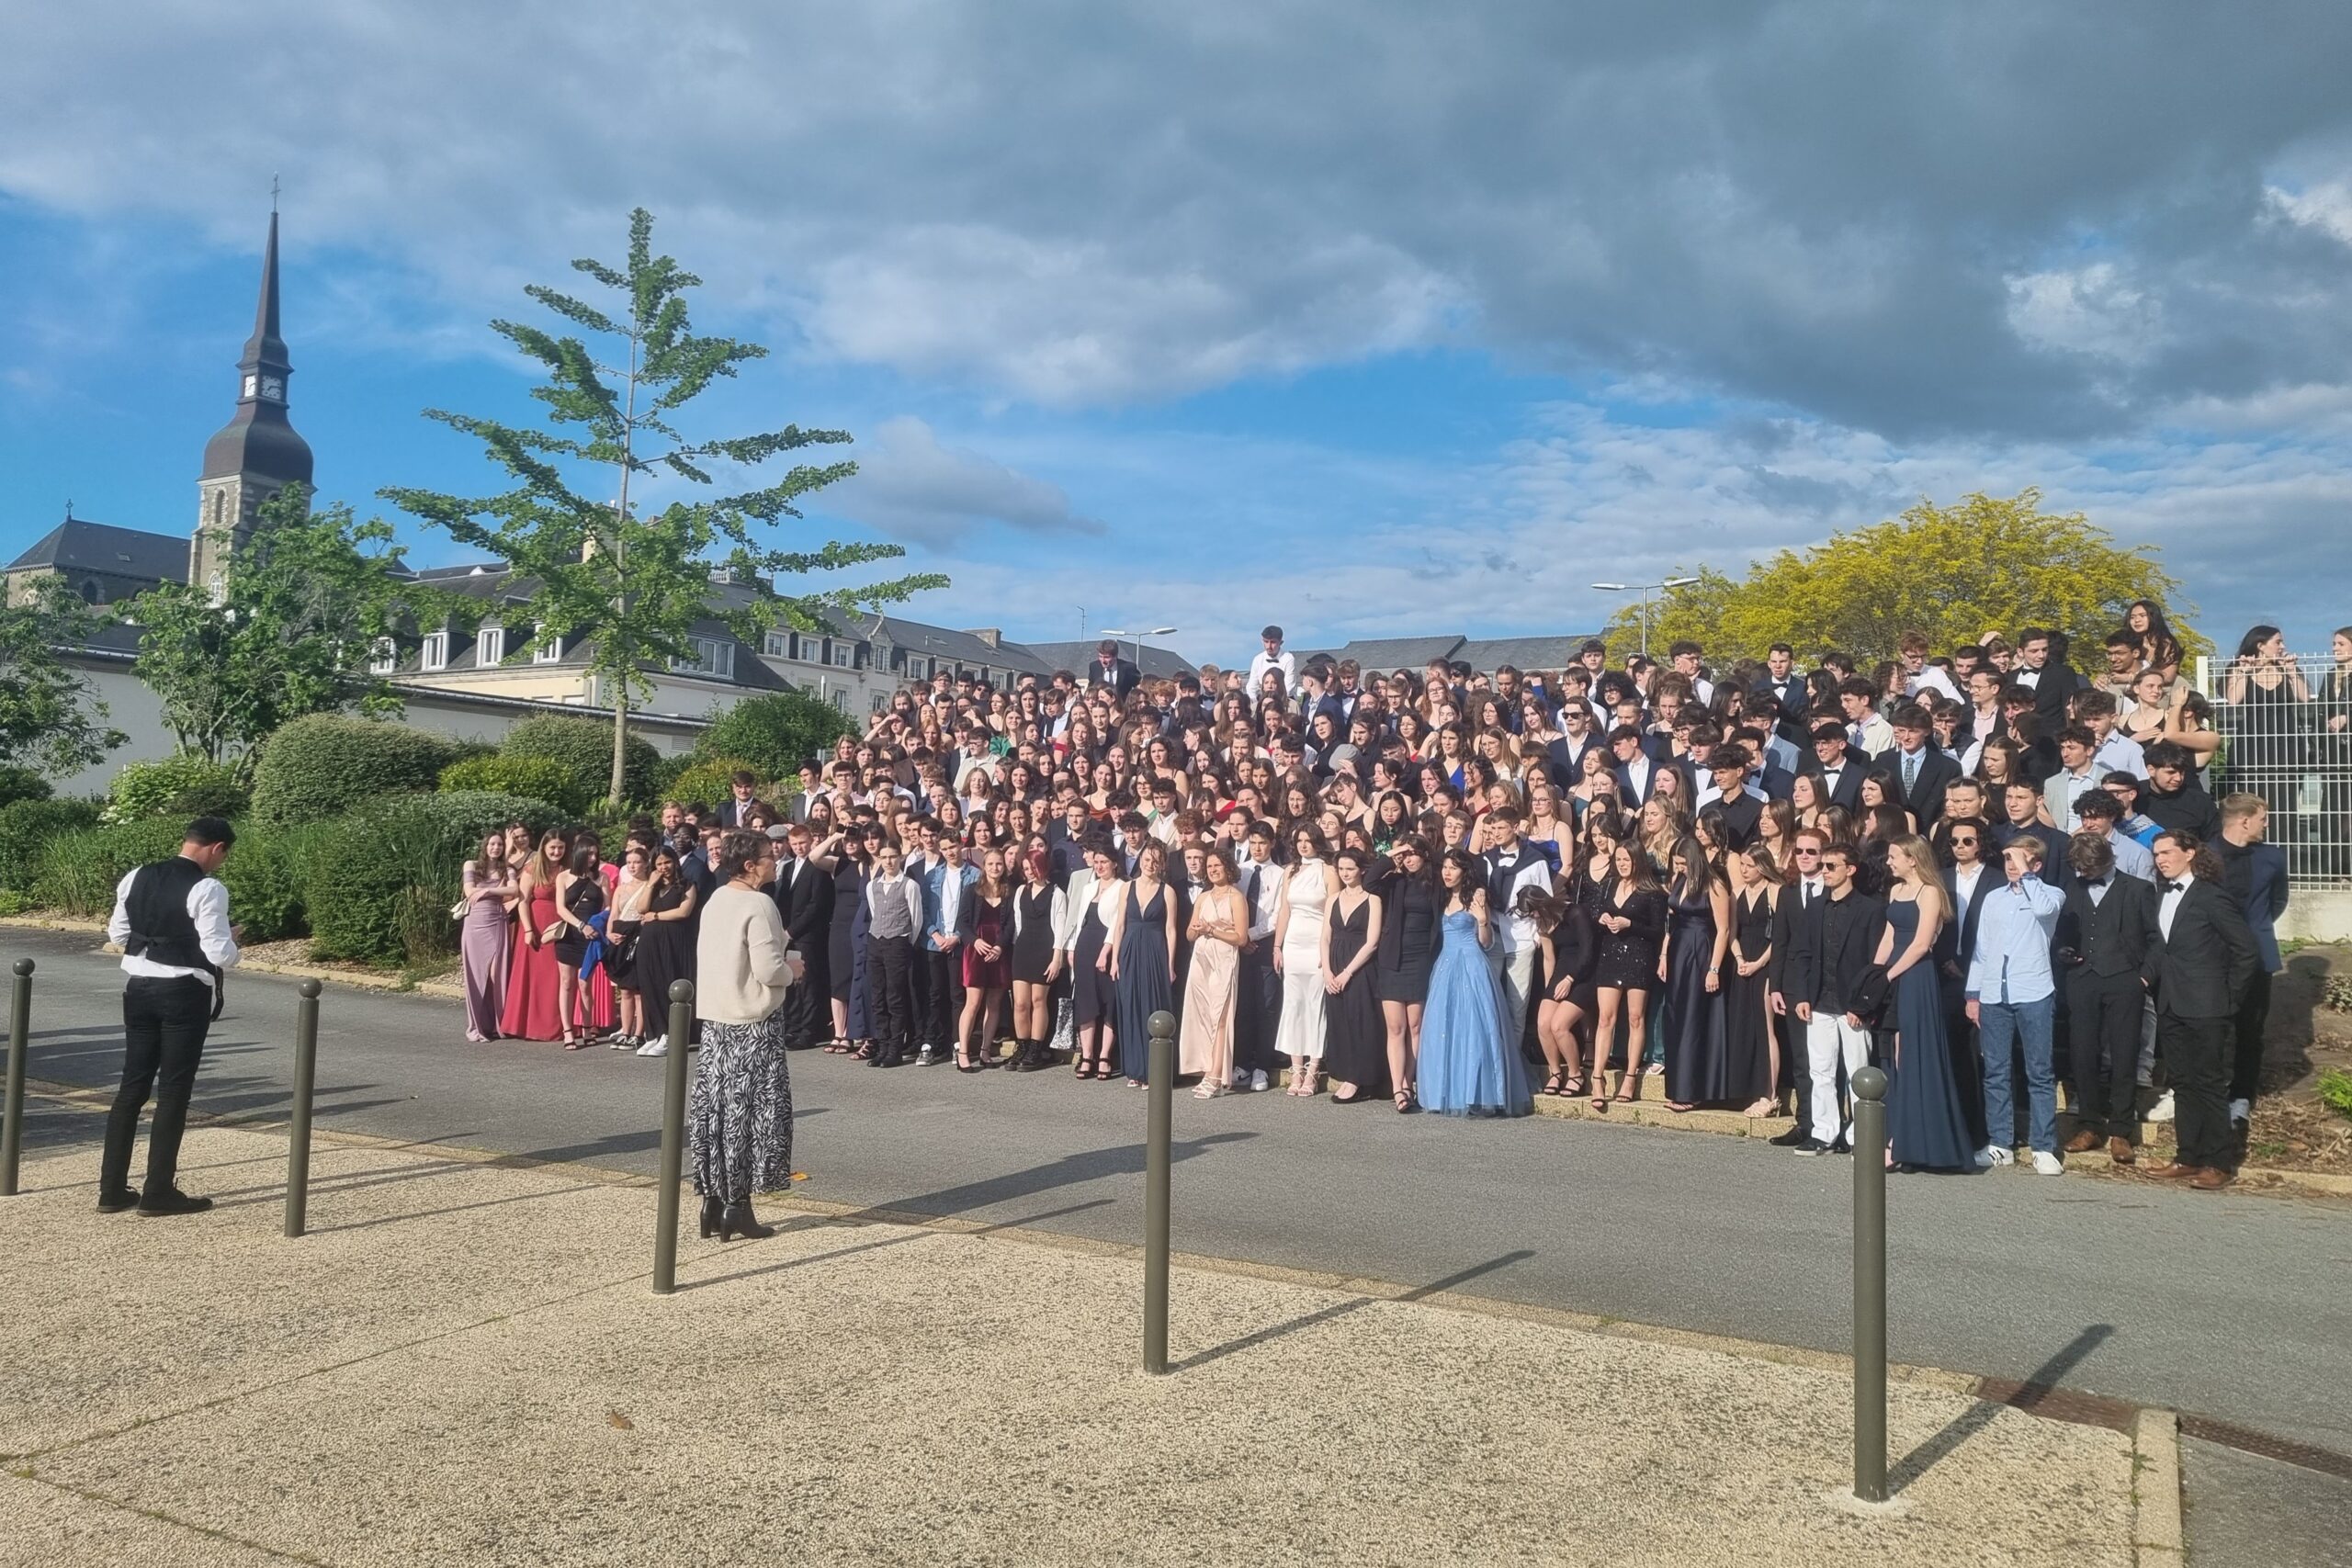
<point x="1258" y="1082"/>
<point x="924" y="1058"/>
<point x="2162" y="1110"/>
<point x="2241" y="1110"/>
<point x="1993" y="1155"/>
<point x="657" y="1046"/>
<point x="2047" y="1164"/>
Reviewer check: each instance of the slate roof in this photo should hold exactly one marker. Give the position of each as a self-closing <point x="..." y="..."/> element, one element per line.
<point x="80" y="545"/>
<point x="1159" y="663"/>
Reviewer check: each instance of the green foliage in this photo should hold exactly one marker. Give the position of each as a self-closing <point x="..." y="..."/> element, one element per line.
<point x="378" y="886"/>
<point x="181" y="787"/>
<point x="1985" y="563"/>
<point x="539" y="778"/>
<point x="27" y="825"/>
<point x="2339" y="993"/>
<point x="50" y="722"/>
<point x="583" y="747"/>
<point x="76" y="872"/>
<point x="2335" y="1091"/>
<point x="21" y="783"/>
<point x="708" y="781"/>
<point x="635" y="585"/>
<point x="264" y="877"/>
<point x="325" y="764"/>
<point x="304" y="601"/>
<point x="773" y="732"/>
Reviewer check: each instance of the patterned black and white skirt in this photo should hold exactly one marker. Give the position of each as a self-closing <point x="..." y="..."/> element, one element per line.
<point x="740" y="1114"/>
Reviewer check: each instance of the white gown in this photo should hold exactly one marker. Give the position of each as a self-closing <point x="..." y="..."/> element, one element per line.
<point x="1300" y="1032"/>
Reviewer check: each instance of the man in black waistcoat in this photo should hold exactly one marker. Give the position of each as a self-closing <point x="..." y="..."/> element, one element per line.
<point x="171" y="919"/>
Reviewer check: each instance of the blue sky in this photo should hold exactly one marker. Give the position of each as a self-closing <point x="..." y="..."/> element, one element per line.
<point x="1353" y="317"/>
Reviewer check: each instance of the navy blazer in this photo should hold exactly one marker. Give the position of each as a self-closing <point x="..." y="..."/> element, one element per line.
<point x="2256" y="876"/>
<point x="1925" y="799"/>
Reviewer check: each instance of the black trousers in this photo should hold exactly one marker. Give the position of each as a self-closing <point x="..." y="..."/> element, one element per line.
<point x="164" y="1024"/>
<point x="2104" y="1051"/>
<point x="1257" y="1012"/>
<point x="889" y="988"/>
<point x="943" y="995"/>
<point x="808" y="1007"/>
<point x="2254" y="1016"/>
<point x="2197" y="1059"/>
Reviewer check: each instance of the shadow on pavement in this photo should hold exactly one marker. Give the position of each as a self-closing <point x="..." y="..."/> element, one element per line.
<point x="818" y="1222"/>
<point x="1976" y="1418"/>
<point x="1341" y="1309"/>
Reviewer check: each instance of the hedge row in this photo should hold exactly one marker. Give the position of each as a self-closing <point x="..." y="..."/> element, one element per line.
<point x="324" y="765"/>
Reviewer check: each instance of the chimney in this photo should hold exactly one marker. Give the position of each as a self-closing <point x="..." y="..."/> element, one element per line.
<point x="989" y="635"/>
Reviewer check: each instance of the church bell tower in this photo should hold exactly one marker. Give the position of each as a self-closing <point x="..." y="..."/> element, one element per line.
<point x="257" y="453"/>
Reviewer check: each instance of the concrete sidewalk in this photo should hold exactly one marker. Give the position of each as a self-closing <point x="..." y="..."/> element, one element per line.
<point x="462" y="1364"/>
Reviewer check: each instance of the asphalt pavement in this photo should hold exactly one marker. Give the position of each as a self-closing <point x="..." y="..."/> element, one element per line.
<point x="2233" y="1305"/>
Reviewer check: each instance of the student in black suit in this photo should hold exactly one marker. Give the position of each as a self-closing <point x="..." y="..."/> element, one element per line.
<point x="1781" y="696"/>
<point x="1836" y="946"/>
<point x="2043" y="669"/>
<point x="742" y="796"/>
<point x="1966" y="850"/>
<point x="1637" y="770"/>
<point x="1119" y="675"/>
<point x="1839" y="768"/>
<point x="1803" y="887"/>
<point x="2105" y="931"/>
<point x="1919" y="770"/>
<point x="2199" y="967"/>
<point x="804" y="895"/>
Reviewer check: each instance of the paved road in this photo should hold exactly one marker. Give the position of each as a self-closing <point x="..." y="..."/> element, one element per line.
<point x="2236" y="1305"/>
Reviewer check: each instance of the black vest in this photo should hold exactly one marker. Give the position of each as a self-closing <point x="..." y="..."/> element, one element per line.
<point x="161" y="927"/>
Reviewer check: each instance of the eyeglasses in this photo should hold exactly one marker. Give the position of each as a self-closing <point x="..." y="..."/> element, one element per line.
<point x="1961" y="843"/>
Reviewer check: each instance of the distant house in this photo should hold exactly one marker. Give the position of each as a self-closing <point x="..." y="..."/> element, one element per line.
<point x="1544" y="652"/>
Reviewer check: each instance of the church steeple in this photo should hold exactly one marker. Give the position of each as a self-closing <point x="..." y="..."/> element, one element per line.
<point x="257" y="453"/>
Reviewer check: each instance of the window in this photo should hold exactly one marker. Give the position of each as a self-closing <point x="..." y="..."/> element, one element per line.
<point x="490" y="647"/>
<point x="710" y="657"/>
<point x="880" y="702"/>
<point x="384" y="657"/>
<point x="435" y="653"/>
<point x="777" y="645"/>
<point x="841" y="651"/>
<point x="841" y="699"/>
<point x="549" y="653"/>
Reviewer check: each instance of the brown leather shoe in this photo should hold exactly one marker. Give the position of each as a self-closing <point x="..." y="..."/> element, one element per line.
<point x="2213" y="1179"/>
<point x="2173" y="1170"/>
<point x="2120" y="1152"/>
<point x="2083" y="1142"/>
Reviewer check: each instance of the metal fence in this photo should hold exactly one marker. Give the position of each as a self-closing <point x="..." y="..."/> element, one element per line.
<point x="2287" y="737"/>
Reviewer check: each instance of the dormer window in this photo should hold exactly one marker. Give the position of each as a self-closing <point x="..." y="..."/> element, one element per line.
<point x="435" y="652"/>
<point x="490" y="647"/>
<point x="384" y="657"/>
<point x="549" y="652"/>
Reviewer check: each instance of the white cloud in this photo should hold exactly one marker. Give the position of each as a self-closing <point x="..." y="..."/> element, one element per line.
<point x="912" y="489"/>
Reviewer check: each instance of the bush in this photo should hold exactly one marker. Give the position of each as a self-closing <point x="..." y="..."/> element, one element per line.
<point x="264" y="877"/>
<point x="21" y="783"/>
<point x="76" y="872"/>
<point x="773" y="733"/>
<point x="708" y="781"/>
<point x="584" y="746"/>
<point x="180" y="787"/>
<point x="27" y="825"/>
<point x="2335" y="1090"/>
<point x="537" y="778"/>
<point x="325" y="765"/>
<point x="377" y="886"/>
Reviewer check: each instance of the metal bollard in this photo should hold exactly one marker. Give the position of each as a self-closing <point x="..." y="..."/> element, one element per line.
<point x="12" y="1114"/>
<point x="306" y="1075"/>
<point x="1155" y="1192"/>
<point x="673" y="1137"/>
<point x="1870" y="1285"/>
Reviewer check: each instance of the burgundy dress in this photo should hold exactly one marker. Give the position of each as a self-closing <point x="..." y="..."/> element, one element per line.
<point x="989" y="921"/>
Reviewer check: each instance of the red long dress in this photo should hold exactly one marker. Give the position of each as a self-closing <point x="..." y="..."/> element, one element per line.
<point x="531" y="973"/>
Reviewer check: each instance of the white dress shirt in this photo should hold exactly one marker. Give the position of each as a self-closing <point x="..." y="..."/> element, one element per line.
<point x="2169" y="905"/>
<point x="208" y="906"/>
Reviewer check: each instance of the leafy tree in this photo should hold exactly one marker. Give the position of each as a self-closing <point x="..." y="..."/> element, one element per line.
<point x="1985" y="563"/>
<point x="304" y="601"/>
<point x="635" y="584"/>
<point x="49" y="721"/>
<point x="773" y="733"/>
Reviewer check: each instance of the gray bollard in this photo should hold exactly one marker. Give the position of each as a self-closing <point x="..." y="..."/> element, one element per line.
<point x="306" y="1077"/>
<point x="12" y="1114"/>
<point x="1870" y="1285"/>
<point x="1155" y="1192"/>
<point x="673" y="1137"/>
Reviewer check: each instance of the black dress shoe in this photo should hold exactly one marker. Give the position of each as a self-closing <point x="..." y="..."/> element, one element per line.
<point x="712" y="1211"/>
<point x="173" y="1202"/>
<point x="1787" y="1140"/>
<point x="739" y="1220"/>
<point x="115" y="1202"/>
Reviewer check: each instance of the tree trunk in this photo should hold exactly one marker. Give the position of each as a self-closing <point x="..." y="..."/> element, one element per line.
<point x="620" y="747"/>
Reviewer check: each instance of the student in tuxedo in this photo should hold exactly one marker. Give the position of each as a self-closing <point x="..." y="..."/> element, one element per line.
<point x="1919" y="772"/>
<point x="1968" y="876"/>
<point x="1112" y="673"/>
<point x="1837" y="940"/>
<point x="1258" y="1003"/>
<point x="1839" y="767"/>
<point x="2198" y="968"/>
<point x="1801" y="889"/>
<point x="1782" y="695"/>
<point x="2254" y="874"/>
<point x="804" y="896"/>
<point x="2042" y="669"/>
<point x="1636" y="771"/>
<point x="2105" y="929"/>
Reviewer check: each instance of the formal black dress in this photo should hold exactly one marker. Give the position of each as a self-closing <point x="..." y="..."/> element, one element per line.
<point x="1629" y="958"/>
<point x="1033" y="945"/>
<point x="1144" y="987"/>
<point x="1691" y="1027"/>
<point x="1355" y="1040"/>
<point x="844" y="952"/>
<point x="1408" y="940"/>
<point x="1747" y="1026"/>
<point x="665" y="952"/>
<point x="1090" y="995"/>
<point x="586" y="896"/>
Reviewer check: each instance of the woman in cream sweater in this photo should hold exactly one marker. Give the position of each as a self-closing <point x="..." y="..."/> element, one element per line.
<point x="740" y="1118"/>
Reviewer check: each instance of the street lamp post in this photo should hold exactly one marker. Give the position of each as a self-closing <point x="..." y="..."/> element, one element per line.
<point x="1138" y="636"/>
<point x="1645" y="590"/>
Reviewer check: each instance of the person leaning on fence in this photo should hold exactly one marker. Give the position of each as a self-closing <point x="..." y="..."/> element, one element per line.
<point x="171" y="919"/>
<point x="741" y="1115"/>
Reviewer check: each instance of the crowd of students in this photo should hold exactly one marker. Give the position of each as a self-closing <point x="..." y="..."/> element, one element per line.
<point x="1456" y="889"/>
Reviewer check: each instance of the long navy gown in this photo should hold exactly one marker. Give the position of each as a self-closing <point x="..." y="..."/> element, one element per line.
<point x="1926" y="1119"/>
<point x="1143" y="985"/>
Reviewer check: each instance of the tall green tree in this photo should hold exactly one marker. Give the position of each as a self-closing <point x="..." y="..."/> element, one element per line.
<point x="634" y="580"/>
<point x="304" y="601"/>
<point x="50" y="719"/>
<point x="1983" y="563"/>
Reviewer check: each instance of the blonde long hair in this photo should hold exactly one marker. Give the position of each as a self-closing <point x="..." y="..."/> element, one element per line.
<point x="1922" y="859"/>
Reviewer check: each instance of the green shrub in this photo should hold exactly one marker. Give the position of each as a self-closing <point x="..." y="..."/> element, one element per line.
<point x="325" y="765"/>
<point x="377" y="886"/>
<point x="180" y="787"/>
<point x="27" y="825"/>
<point x="264" y="877"/>
<point x="21" y="783"/>
<point x="537" y="778"/>
<point x="2335" y="1090"/>
<point x="773" y="733"/>
<point x="76" y="872"/>
<point x="708" y="781"/>
<point x="584" y="747"/>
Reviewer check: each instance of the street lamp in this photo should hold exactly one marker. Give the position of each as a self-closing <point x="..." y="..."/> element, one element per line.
<point x="1645" y="590"/>
<point x="1138" y="636"/>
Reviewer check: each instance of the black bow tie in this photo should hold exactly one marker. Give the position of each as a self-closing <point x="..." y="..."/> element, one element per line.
<point x="2170" y="886"/>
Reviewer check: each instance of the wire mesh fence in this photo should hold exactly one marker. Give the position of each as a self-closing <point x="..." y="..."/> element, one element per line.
<point x="2286" y="729"/>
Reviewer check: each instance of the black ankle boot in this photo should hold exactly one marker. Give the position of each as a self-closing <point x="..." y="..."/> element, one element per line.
<point x="712" y="1211"/>
<point x="738" y="1221"/>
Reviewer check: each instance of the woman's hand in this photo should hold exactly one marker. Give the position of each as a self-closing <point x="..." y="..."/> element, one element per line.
<point x="1331" y="983"/>
<point x="1661" y="966"/>
<point x="1560" y="991"/>
<point x="1715" y="980"/>
<point x="1053" y="968"/>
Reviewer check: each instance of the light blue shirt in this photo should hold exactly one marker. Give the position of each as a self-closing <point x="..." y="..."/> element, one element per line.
<point x="2132" y="858"/>
<point x="2013" y="932"/>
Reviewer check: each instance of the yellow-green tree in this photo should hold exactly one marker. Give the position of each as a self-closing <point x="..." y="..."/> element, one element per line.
<point x="1985" y="563"/>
